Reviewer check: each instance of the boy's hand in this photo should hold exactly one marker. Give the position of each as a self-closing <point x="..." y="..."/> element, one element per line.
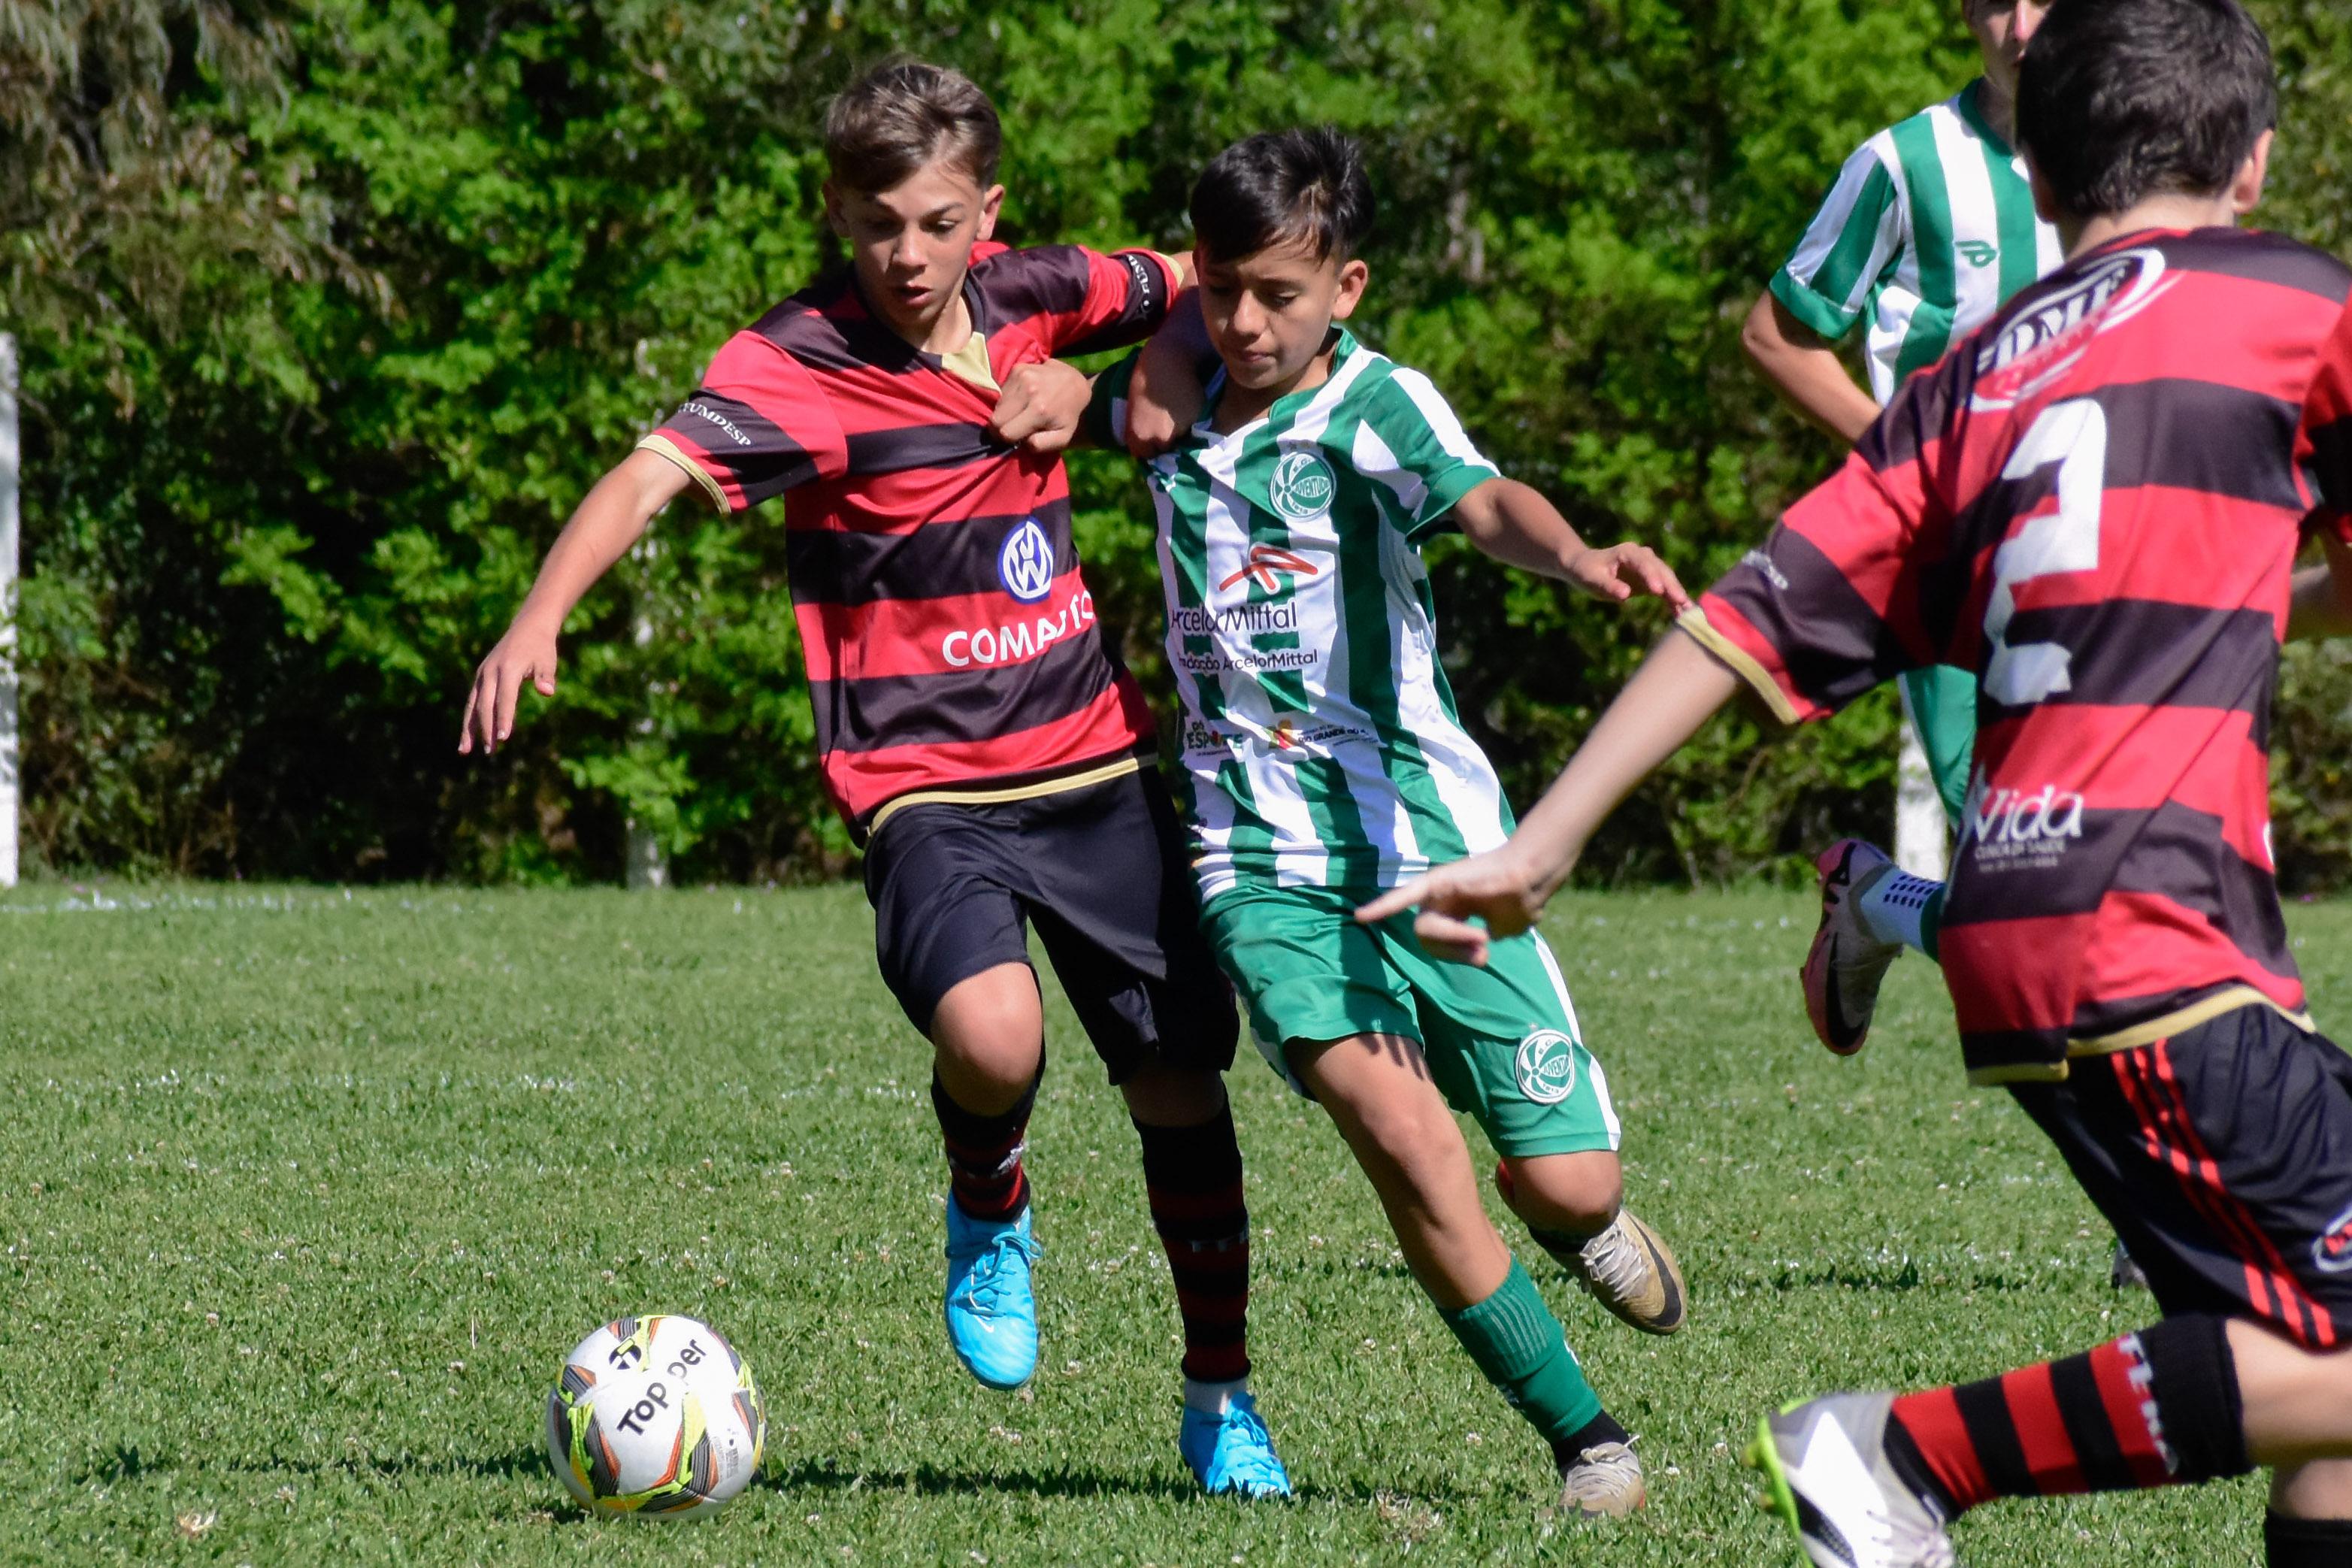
<point x="525" y="652"/>
<point x="1622" y="570"/>
<point x="1040" y="408"/>
<point x="1497" y="887"/>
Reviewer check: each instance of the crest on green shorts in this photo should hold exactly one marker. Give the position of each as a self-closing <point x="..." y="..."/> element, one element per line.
<point x="1302" y="486"/>
<point x="1547" y="1067"/>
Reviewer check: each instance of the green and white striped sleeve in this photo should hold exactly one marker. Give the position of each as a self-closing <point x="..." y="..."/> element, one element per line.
<point x="1848" y="249"/>
<point x="1410" y="441"/>
<point x="1103" y="423"/>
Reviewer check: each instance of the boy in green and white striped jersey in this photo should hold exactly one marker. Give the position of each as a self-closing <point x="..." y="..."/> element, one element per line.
<point x="1929" y="230"/>
<point x="1326" y="760"/>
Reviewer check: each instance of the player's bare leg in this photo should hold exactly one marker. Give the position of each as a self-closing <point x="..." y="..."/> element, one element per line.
<point x="1193" y="1179"/>
<point x="988" y="1041"/>
<point x="1573" y="1205"/>
<point x="1379" y="1094"/>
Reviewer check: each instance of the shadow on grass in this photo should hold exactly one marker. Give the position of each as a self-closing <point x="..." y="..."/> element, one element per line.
<point x="127" y="1462"/>
<point x="1906" y="1276"/>
<point x="1062" y="1481"/>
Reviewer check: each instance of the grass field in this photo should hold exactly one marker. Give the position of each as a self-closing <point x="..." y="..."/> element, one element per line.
<point x="306" y="1195"/>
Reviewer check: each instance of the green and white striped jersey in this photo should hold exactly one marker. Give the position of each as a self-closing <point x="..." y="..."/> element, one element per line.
<point x="1929" y="230"/>
<point x="1318" y="733"/>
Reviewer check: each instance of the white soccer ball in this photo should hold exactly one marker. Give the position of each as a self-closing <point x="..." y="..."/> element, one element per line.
<point x="656" y="1416"/>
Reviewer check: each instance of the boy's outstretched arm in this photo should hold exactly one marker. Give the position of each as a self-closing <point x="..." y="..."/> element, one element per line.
<point x="607" y="523"/>
<point x="1516" y="525"/>
<point x="1676" y="689"/>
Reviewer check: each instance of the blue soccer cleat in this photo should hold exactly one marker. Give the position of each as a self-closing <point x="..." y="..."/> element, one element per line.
<point x="991" y="1316"/>
<point x="1233" y="1452"/>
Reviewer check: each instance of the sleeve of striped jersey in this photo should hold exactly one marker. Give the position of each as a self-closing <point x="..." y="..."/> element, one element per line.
<point x="2325" y="445"/>
<point x="1073" y="301"/>
<point x="758" y="426"/>
<point x="1103" y="423"/>
<point x="1831" y="605"/>
<point x="1850" y="245"/>
<point x="1410" y="442"/>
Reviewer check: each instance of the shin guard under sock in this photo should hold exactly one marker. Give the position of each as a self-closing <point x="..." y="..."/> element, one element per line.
<point x="985" y="1151"/>
<point x="1524" y="1352"/>
<point x="1192" y="1178"/>
<point x="2156" y="1408"/>
<point x="2307" y="1542"/>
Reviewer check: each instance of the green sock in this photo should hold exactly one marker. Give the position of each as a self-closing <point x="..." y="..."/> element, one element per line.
<point x="1931" y="921"/>
<point x="1523" y="1350"/>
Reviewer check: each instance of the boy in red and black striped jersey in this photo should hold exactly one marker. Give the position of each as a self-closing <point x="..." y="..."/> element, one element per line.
<point x="974" y="730"/>
<point x="2095" y="505"/>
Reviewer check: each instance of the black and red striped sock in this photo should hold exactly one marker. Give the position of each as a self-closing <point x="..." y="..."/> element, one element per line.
<point x="985" y="1151"/>
<point x="2306" y="1542"/>
<point x="1193" y="1176"/>
<point x="2151" y="1409"/>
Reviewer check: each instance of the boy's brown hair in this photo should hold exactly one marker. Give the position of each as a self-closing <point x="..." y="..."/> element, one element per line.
<point x="903" y="114"/>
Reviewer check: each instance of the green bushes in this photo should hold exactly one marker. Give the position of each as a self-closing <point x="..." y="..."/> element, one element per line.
<point x="377" y="289"/>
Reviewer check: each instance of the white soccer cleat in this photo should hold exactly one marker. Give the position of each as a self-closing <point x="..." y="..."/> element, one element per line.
<point x="1603" y="1481"/>
<point x="1844" y="970"/>
<point x="1826" y="1463"/>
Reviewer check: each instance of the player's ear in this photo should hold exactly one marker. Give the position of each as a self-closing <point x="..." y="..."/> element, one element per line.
<point x="990" y="201"/>
<point x="2045" y="202"/>
<point x="2246" y="190"/>
<point x="1353" y="276"/>
<point x="835" y="218"/>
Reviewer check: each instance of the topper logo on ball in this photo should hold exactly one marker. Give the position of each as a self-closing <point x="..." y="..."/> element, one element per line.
<point x="655" y="1399"/>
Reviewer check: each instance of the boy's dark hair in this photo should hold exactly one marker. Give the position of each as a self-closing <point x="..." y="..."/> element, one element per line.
<point x="2118" y="101"/>
<point x="903" y="114"/>
<point x="1282" y="187"/>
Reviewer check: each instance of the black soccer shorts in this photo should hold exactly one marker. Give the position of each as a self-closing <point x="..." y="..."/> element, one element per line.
<point x="2224" y="1158"/>
<point x="1100" y="870"/>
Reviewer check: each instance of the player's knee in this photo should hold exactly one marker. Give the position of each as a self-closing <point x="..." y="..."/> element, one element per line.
<point x="1576" y="1194"/>
<point x="988" y="1029"/>
<point x="2318" y="1488"/>
<point x="1171" y="1097"/>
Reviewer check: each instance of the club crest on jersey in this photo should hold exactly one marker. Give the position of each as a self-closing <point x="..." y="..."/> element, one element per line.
<point x="1302" y="486"/>
<point x="1547" y="1067"/>
<point x="1263" y="564"/>
<point x="2332" y="1252"/>
<point x="1025" y="562"/>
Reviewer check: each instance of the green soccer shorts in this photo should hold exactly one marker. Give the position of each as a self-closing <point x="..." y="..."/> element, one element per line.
<point x="1942" y="705"/>
<point x="1502" y="1042"/>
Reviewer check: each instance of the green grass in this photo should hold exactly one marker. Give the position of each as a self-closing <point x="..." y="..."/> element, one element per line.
<point x="306" y="1195"/>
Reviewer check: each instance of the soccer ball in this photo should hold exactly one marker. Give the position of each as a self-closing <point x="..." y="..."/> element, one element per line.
<point x="658" y="1417"/>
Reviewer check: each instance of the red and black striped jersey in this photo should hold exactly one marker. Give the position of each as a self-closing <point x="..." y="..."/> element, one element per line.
<point x="2093" y="504"/>
<point x="2325" y="444"/>
<point x="950" y="637"/>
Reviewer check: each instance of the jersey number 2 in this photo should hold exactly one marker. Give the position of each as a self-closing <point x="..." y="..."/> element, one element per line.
<point x="2073" y="435"/>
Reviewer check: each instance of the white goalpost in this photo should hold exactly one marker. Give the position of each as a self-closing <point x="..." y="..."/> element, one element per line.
<point x="7" y="611"/>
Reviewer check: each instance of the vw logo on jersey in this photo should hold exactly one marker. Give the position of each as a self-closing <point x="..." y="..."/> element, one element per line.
<point x="1025" y="562"/>
<point x="1302" y="486"/>
<point x="1547" y="1067"/>
<point x="2332" y="1253"/>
